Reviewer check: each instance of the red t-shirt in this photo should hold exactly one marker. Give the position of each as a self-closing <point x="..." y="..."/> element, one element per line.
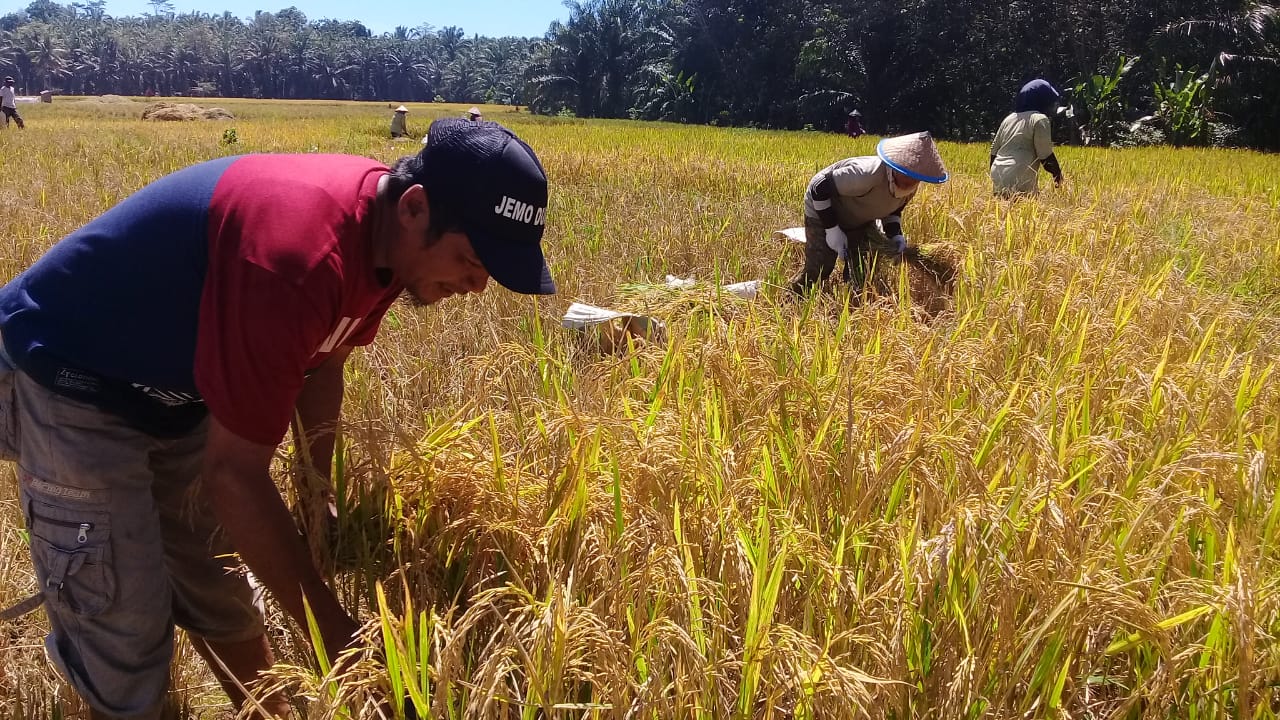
<point x="290" y="279"/>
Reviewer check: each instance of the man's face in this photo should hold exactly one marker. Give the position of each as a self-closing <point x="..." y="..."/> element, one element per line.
<point x="435" y="271"/>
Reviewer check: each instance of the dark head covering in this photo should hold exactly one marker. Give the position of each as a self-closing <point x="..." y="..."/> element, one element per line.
<point x="1037" y="95"/>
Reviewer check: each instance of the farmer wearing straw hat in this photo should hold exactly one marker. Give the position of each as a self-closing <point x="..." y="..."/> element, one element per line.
<point x="399" y="127"/>
<point x="853" y="125"/>
<point x="9" y="103"/>
<point x="1024" y="142"/>
<point x="474" y="114"/>
<point x="845" y="200"/>
<point x="178" y="336"/>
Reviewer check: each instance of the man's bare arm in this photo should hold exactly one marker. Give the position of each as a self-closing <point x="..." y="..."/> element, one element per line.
<point x="319" y="406"/>
<point x="237" y="485"/>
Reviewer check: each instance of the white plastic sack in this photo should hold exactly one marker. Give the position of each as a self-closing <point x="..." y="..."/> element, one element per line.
<point x="794" y="235"/>
<point x="680" y="283"/>
<point x="614" y="331"/>
<point x="745" y="290"/>
<point x="582" y="316"/>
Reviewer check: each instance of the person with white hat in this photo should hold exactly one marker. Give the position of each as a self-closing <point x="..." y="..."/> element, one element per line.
<point x="853" y="125"/>
<point x="399" y="122"/>
<point x="844" y="201"/>
<point x="9" y="103"/>
<point x="474" y="114"/>
<point x="1024" y="142"/>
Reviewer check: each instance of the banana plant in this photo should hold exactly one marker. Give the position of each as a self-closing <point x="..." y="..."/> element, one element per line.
<point x="1184" y="99"/>
<point x="1098" y="104"/>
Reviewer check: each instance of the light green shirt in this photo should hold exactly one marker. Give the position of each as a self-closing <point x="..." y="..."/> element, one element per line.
<point x="1022" y="142"/>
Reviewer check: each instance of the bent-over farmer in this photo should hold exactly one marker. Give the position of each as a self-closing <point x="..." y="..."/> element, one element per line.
<point x="400" y="122"/>
<point x="1024" y="142"/>
<point x="844" y="201"/>
<point x="175" y="337"/>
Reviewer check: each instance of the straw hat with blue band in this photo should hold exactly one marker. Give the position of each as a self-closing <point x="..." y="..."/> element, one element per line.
<point x="915" y="156"/>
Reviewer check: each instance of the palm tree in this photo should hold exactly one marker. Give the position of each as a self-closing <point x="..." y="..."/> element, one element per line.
<point x="408" y="72"/>
<point x="227" y="31"/>
<point x="451" y="41"/>
<point x="12" y="57"/>
<point x="596" y="59"/>
<point x="301" y="63"/>
<point x="501" y="63"/>
<point x="365" y="56"/>
<point x="262" y="60"/>
<point x="47" y="58"/>
<point x="461" y="78"/>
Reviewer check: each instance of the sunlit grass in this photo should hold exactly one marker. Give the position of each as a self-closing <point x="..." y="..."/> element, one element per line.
<point x="1055" y="499"/>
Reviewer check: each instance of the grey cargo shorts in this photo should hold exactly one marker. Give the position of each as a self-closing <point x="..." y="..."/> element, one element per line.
<point x="122" y="546"/>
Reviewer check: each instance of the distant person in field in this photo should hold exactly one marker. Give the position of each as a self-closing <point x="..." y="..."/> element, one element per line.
<point x="399" y="122"/>
<point x="474" y="114"/>
<point x="844" y="201"/>
<point x="9" y="103"/>
<point x="853" y="125"/>
<point x="1024" y="142"/>
<point x="155" y="358"/>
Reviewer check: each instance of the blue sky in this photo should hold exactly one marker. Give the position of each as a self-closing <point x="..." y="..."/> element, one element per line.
<point x="476" y="17"/>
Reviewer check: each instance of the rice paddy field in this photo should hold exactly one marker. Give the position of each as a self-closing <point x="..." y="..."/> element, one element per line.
<point x="1048" y="491"/>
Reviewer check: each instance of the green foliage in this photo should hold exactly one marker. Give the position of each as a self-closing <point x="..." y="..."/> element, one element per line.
<point x="951" y="67"/>
<point x="669" y="97"/>
<point x="1183" y="100"/>
<point x="1099" y="104"/>
<point x="79" y="50"/>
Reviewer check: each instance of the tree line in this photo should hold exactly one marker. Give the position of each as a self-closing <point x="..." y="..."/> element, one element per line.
<point x="1134" y="71"/>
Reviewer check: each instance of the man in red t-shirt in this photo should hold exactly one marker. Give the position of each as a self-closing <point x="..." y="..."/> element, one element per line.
<point x="177" y="336"/>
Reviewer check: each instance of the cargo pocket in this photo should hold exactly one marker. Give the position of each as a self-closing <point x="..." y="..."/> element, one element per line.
<point x="8" y="408"/>
<point x="73" y="557"/>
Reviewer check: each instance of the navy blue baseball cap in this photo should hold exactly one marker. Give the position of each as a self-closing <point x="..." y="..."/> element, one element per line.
<point x="504" y="199"/>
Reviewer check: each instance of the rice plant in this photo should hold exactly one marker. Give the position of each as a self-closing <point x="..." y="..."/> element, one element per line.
<point x="1051" y="495"/>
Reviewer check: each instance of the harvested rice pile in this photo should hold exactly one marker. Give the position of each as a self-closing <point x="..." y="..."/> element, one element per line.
<point x="184" y="111"/>
<point x="105" y="100"/>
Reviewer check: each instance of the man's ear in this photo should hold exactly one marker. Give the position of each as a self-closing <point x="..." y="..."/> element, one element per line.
<point x="412" y="209"/>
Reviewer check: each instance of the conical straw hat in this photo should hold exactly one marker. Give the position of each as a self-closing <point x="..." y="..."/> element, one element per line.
<point x="915" y="156"/>
<point x="402" y="109"/>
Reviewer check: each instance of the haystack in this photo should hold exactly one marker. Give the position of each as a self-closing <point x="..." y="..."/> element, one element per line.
<point x="184" y="111"/>
<point x="105" y="100"/>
